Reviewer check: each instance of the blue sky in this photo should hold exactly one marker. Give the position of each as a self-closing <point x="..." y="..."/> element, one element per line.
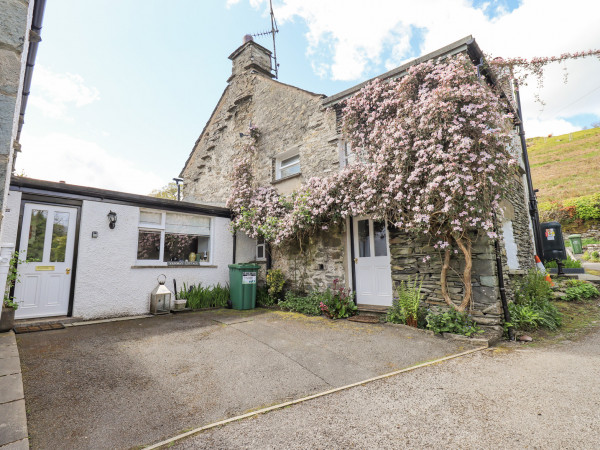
<point x="121" y="90"/>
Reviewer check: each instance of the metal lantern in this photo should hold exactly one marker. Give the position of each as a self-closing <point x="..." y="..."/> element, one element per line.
<point x="160" y="298"/>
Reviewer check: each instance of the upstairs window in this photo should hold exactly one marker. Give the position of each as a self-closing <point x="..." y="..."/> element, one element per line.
<point x="287" y="165"/>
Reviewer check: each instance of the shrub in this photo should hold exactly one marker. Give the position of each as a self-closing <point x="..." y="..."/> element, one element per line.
<point x="405" y="308"/>
<point x="262" y="296"/>
<point x="304" y="304"/>
<point x="338" y="303"/>
<point x="531" y="308"/>
<point x="567" y="264"/>
<point x="595" y="254"/>
<point x="199" y="297"/>
<point x="529" y="317"/>
<point x="275" y="282"/>
<point x="583" y="291"/>
<point x="452" y="321"/>
<point x="533" y="289"/>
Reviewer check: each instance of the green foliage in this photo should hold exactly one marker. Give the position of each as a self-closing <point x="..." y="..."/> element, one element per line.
<point x="405" y="308"/>
<point x="199" y="297"/>
<point x="532" y="308"/>
<point x="591" y="256"/>
<point x="588" y="206"/>
<point x="169" y="191"/>
<point x="452" y="321"/>
<point x="337" y="303"/>
<point x="275" y="282"/>
<point x="12" y="277"/>
<point x="567" y="264"/>
<point x="530" y="316"/>
<point x="584" y="242"/>
<point x="533" y="288"/>
<point x="262" y="296"/>
<point x="304" y="304"/>
<point x="582" y="291"/>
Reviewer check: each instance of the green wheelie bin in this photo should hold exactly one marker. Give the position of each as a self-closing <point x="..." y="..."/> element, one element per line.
<point x="576" y="243"/>
<point x="242" y="285"/>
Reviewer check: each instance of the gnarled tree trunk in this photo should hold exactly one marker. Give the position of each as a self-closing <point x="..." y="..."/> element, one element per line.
<point x="465" y="247"/>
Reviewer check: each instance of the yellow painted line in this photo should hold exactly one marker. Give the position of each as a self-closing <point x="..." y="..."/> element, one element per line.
<point x="305" y="399"/>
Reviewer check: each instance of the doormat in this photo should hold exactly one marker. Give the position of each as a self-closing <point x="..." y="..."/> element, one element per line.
<point x="364" y="319"/>
<point x="33" y="328"/>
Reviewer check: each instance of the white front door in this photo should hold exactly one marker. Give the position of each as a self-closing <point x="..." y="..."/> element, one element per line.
<point x="372" y="262"/>
<point x="46" y="249"/>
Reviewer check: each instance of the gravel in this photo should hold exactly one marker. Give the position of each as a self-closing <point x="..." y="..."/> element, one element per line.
<point x="524" y="397"/>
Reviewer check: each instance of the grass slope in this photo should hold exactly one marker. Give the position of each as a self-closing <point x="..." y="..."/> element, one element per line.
<point x="566" y="166"/>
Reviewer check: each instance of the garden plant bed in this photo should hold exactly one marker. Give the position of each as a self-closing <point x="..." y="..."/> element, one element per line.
<point x="579" y="319"/>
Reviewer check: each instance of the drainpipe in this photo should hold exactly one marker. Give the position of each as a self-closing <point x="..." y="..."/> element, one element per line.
<point x="234" y="247"/>
<point x="511" y="331"/>
<point x="533" y="209"/>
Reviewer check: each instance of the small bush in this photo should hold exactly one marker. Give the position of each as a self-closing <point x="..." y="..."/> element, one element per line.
<point x="304" y="304"/>
<point x="405" y="308"/>
<point x="567" y="264"/>
<point x="578" y="292"/>
<point x="533" y="289"/>
<point x="199" y="297"/>
<point x="595" y="254"/>
<point x="275" y="282"/>
<point x="452" y="321"/>
<point x="528" y="317"/>
<point x="263" y="298"/>
<point x="532" y="308"/>
<point x="338" y="303"/>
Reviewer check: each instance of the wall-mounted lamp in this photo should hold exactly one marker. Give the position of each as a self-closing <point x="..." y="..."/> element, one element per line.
<point x="112" y="220"/>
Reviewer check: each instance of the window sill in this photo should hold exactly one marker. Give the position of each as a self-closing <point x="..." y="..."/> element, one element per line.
<point x="176" y="266"/>
<point x="289" y="177"/>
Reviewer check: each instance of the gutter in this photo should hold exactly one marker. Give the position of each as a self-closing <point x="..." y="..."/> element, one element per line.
<point x="34" y="40"/>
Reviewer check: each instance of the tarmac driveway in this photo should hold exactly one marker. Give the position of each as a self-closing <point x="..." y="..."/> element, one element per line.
<point x="130" y="383"/>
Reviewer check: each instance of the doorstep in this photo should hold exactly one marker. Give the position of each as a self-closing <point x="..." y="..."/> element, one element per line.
<point x="13" y="419"/>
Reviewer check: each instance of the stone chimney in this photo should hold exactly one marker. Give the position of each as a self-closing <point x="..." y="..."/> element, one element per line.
<point x="251" y="56"/>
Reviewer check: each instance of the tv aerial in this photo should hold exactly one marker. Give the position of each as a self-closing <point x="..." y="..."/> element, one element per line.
<point x="272" y="32"/>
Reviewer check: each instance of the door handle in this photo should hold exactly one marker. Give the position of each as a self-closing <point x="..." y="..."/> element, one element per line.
<point x="355" y="260"/>
<point x="68" y="271"/>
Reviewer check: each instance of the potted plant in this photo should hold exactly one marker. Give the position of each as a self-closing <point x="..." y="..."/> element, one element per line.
<point x="9" y="306"/>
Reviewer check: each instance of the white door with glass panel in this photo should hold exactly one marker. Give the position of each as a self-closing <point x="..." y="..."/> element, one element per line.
<point x="372" y="262"/>
<point x="46" y="249"/>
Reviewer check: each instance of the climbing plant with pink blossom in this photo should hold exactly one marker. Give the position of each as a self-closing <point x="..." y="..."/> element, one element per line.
<point x="433" y="159"/>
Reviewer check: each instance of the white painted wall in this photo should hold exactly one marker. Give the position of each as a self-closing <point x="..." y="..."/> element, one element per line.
<point x="10" y="221"/>
<point x="245" y="248"/>
<point x="106" y="284"/>
<point x="510" y="245"/>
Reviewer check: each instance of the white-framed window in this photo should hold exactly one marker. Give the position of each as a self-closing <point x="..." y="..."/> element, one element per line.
<point x="287" y="164"/>
<point x="169" y="237"/>
<point x="261" y="249"/>
<point x="348" y="155"/>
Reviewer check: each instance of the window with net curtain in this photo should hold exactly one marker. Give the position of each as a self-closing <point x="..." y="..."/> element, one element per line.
<point x="169" y="237"/>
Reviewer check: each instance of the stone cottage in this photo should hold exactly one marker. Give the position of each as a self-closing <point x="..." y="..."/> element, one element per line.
<point x="300" y="138"/>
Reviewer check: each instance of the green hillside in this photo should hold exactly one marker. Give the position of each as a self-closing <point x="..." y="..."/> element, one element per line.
<point x="567" y="166"/>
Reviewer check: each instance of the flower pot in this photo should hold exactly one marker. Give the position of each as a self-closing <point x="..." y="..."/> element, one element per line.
<point x="411" y="322"/>
<point x="7" y="320"/>
<point x="178" y="305"/>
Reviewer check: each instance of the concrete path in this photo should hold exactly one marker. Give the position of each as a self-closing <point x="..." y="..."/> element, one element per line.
<point x="124" y="384"/>
<point x="500" y="398"/>
<point x="13" y="423"/>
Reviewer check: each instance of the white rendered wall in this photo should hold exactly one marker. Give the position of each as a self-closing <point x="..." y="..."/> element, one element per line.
<point x="245" y="248"/>
<point x="106" y="284"/>
<point x="510" y="245"/>
<point x="10" y="221"/>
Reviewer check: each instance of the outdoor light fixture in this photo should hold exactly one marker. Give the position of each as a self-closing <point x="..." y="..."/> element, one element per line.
<point x="112" y="220"/>
<point x="177" y="181"/>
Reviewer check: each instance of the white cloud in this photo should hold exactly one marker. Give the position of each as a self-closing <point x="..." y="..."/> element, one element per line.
<point x="60" y="157"/>
<point x="55" y="93"/>
<point x="349" y="39"/>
